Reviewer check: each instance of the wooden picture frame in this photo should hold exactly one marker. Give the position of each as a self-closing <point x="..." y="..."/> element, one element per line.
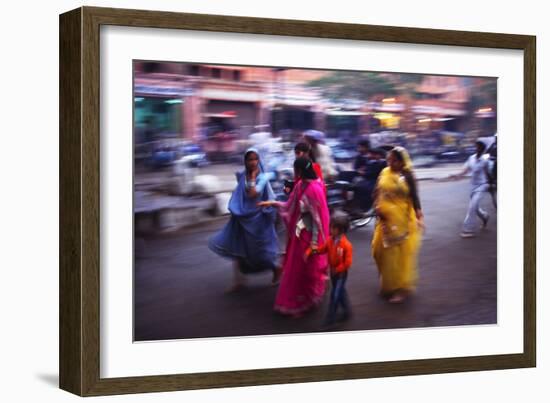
<point x="80" y="199"/>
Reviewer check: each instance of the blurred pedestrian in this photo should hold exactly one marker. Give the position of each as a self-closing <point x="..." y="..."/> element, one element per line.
<point x="397" y="233"/>
<point x="321" y="152"/>
<point x="249" y="238"/>
<point x="478" y="165"/>
<point x="306" y="217"/>
<point x="340" y="257"/>
<point x="368" y="164"/>
<point x="304" y="150"/>
<point x="493" y="172"/>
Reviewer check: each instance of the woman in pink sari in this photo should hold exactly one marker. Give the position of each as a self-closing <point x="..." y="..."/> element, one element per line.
<point x="306" y="217"/>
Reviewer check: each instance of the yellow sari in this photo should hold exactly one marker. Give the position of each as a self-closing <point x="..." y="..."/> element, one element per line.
<point x="396" y="239"/>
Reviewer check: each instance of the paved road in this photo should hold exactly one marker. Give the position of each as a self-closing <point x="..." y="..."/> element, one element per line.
<point x="180" y="284"/>
<point x="226" y="173"/>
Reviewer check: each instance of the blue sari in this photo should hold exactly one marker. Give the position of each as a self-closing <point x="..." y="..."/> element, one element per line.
<point x="250" y="235"/>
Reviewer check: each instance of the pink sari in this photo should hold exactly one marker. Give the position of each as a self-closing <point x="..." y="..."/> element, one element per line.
<point x="303" y="282"/>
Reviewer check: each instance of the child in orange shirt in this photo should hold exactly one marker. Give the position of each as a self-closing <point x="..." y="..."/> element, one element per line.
<point x="340" y="255"/>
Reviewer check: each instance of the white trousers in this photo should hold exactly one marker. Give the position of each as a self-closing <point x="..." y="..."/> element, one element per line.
<point x="471" y="224"/>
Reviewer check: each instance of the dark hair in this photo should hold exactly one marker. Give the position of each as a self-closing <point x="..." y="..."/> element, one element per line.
<point x="482" y="144"/>
<point x="379" y="151"/>
<point x="397" y="154"/>
<point x="304" y="168"/>
<point x="341" y="223"/>
<point x="304" y="148"/>
<point x="246" y="154"/>
<point x="400" y="158"/>
<point x="364" y="143"/>
<point x="410" y="179"/>
<point x="251" y="152"/>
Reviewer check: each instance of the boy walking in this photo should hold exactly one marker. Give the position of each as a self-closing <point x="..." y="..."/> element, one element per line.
<point x="340" y="256"/>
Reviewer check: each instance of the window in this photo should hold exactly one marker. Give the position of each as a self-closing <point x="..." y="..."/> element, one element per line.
<point x="194" y="70"/>
<point x="152" y="67"/>
<point x="216" y="73"/>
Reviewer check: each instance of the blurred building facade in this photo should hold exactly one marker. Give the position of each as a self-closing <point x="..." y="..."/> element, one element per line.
<point x="185" y="100"/>
<point x="191" y="101"/>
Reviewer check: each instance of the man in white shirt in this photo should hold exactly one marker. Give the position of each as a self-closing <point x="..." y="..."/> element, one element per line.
<point x="478" y="165"/>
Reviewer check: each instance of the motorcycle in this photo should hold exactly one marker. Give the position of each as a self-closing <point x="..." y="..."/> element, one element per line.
<point x="340" y="200"/>
<point x="339" y="197"/>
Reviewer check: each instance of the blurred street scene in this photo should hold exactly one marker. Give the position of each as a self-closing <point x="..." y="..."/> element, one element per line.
<point x="192" y="126"/>
<point x="193" y="122"/>
<point x="180" y="284"/>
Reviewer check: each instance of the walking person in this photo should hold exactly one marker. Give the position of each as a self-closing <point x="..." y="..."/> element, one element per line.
<point x="368" y="164"/>
<point x="478" y="165"/>
<point x="249" y="238"/>
<point x="306" y="216"/>
<point x="340" y="257"/>
<point x="304" y="150"/>
<point x="397" y="234"/>
<point x="321" y="153"/>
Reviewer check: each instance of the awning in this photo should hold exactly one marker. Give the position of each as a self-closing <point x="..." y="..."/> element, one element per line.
<point x="225" y="95"/>
<point x="425" y="109"/>
<point x="390" y="107"/>
<point x="140" y="89"/>
<point x="489" y="114"/>
<point x="453" y="112"/>
<point x="344" y="113"/>
<point x="436" y="110"/>
<point x="229" y="114"/>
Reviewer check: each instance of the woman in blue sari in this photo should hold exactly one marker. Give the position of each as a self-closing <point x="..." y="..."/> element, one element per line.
<point x="249" y="238"/>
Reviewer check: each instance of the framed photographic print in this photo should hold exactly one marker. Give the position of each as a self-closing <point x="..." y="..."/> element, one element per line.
<point x="249" y="201"/>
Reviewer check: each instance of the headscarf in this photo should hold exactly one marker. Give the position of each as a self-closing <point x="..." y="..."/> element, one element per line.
<point x="315" y="135"/>
<point x="249" y="235"/>
<point x="260" y="161"/>
<point x="240" y="204"/>
<point x="407" y="162"/>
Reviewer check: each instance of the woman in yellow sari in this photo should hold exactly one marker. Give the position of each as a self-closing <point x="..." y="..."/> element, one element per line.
<point x="397" y="234"/>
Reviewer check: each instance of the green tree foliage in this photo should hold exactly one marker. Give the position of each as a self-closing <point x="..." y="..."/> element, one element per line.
<point x="483" y="95"/>
<point x="363" y="85"/>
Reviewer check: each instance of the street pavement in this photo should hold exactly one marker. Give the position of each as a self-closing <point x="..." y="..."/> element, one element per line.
<point x="226" y="174"/>
<point x="180" y="284"/>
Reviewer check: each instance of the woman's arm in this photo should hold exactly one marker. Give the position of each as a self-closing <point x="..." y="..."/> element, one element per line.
<point x="375" y="196"/>
<point x="413" y="190"/>
<point x="270" y="203"/>
<point x="252" y="192"/>
<point x="261" y="181"/>
<point x="312" y="206"/>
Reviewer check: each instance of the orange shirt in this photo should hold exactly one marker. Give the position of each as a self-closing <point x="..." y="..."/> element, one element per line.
<point x="340" y="255"/>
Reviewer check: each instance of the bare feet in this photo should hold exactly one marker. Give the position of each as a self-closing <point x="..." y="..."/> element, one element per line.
<point x="398" y="297"/>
